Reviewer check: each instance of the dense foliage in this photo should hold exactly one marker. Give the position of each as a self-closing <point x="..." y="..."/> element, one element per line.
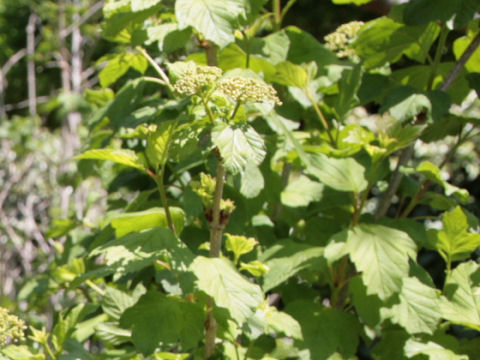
<point x="269" y="195"/>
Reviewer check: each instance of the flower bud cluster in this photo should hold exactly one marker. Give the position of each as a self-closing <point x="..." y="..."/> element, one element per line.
<point x="340" y="40"/>
<point x="11" y="327"/>
<point x="197" y="80"/>
<point x="247" y="90"/>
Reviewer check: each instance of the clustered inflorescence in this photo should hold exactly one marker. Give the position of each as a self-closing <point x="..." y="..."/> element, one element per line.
<point x="11" y="327"/>
<point x="238" y="89"/>
<point x="247" y="90"/>
<point x="197" y="80"/>
<point x="340" y="40"/>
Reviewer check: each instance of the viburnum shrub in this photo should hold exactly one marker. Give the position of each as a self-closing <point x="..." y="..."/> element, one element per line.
<point x="268" y="195"/>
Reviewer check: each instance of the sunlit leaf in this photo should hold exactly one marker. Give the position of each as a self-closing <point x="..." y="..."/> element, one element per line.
<point x="431" y="349"/>
<point x="301" y="191"/>
<point x="417" y="310"/>
<point x="454" y="241"/>
<point x="461" y="304"/>
<point x="380" y="253"/>
<point x="286" y="258"/>
<point x="219" y="279"/>
<point x="126" y="223"/>
<point x="339" y="174"/>
<point x="238" y="145"/>
<point x="138" y="250"/>
<point x="124" y="157"/>
<point x="214" y="19"/>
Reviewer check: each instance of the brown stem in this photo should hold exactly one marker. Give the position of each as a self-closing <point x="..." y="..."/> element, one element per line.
<point x="216" y="226"/>
<point x="216" y="232"/>
<point x="452" y="76"/>
<point x="394" y="183"/>
<point x="407" y="153"/>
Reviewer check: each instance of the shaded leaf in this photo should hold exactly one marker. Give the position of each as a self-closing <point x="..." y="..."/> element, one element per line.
<point x="383" y="40"/>
<point x="325" y="330"/>
<point x="286" y="258"/>
<point x="158" y="318"/>
<point x="119" y="64"/>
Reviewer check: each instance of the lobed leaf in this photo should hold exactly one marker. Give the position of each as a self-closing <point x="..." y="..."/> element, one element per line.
<point x="159" y="319"/>
<point x="238" y="144"/>
<point x="219" y="279"/>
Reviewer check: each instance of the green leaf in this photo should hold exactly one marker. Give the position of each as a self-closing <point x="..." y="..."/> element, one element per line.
<point x="380" y="253"/>
<point x="168" y="36"/>
<point x="251" y="181"/>
<point x="301" y="191"/>
<point x="432" y="173"/>
<point x="139" y="5"/>
<point x="215" y="19"/>
<point x="325" y="330"/>
<point x="290" y="74"/>
<point x="347" y="89"/>
<point x="255" y="267"/>
<point x="118" y="65"/>
<point x="67" y="323"/>
<point x="421" y="12"/>
<point x="404" y="103"/>
<point x="158" y="142"/>
<point x="391" y="345"/>
<point x="417" y="310"/>
<point x="159" y="319"/>
<point x="461" y="304"/>
<point x="383" y="40"/>
<point x="238" y="144"/>
<point x="461" y="44"/>
<point x="281" y="322"/>
<point x="366" y="306"/>
<point x="170" y="356"/>
<point x="339" y="174"/>
<point x="356" y="2"/>
<point x="286" y="258"/>
<point x="115" y="301"/>
<point x="219" y="279"/>
<point x="431" y="349"/>
<point x="85" y="329"/>
<point x="126" y="223"/>
<point x="122" y="23"/>
<point x="418" y="76"/>
<point x="124" y="157"/>
<point x="454" y="242"/>
<point x="239" y="245"/>
<point x="112" y="333"/>
<point x="20" y="352"/>
<point x="233" y="57"/>
<point x="138" y="250"/>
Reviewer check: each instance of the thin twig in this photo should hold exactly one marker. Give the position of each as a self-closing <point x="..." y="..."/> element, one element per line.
<point x="452" y="76"/>
<point x="407" y="153"/>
